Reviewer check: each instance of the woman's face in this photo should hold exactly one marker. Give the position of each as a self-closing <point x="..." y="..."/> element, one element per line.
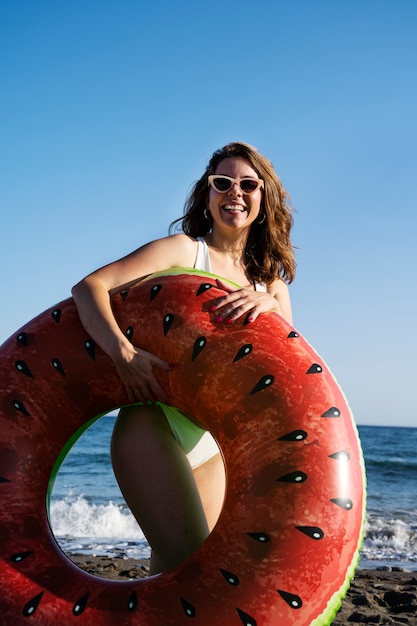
<point x="234" y="209"/>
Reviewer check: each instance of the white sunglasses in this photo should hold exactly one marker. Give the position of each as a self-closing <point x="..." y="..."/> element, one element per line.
<point x="222" y="184"/>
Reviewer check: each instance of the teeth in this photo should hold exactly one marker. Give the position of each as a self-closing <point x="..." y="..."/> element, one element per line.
<point x="234" y="207"/>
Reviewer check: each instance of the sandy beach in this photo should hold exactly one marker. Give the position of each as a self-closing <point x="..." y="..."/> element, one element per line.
<point x="374" y="597"/>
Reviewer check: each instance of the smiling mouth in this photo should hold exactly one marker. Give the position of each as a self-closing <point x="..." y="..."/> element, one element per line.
<point x="234" y="208"/>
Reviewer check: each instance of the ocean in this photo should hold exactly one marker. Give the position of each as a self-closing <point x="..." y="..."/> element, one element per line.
<point x="89" y="516"/>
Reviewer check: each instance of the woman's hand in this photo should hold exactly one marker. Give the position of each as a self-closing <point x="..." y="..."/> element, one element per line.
<point x="135" y="368"/>
<point x="242" y="301"/>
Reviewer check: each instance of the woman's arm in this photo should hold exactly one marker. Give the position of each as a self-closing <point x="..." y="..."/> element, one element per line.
<point x="241" y="301"/>
<point x="92" y="298"/>
<point x="281" y="293"/>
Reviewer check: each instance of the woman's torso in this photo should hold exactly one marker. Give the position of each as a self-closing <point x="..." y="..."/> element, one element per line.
<point x="203" y="262"/>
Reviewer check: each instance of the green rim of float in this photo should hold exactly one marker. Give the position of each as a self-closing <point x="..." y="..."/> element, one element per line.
<point x="64" y="453"/>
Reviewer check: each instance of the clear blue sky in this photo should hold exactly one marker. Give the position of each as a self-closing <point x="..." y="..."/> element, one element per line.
<point x="110" y="111"/>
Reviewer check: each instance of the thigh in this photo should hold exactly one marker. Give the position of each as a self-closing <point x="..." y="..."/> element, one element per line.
<point x="142" y="428"/>
<point x="158" y="484"/>
<point x="203" y="455"/>
<point x="211" y="483"/>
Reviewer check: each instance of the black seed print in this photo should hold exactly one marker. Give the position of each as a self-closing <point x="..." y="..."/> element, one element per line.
<point x="247" y="620"/>
<point x="232" y="579"/>
<point x="342" y="455"/>
<point x="315" y="369"/>
<point x="155" y="290"/>
<point x="243" y="351"/>
<point x="332" y="412"/>
<point x="293" y="477"/>
<point x="32" y="605"/>
<point x="22" y="367"/>
<point x="295" y="435"/>
<point x="22" y="338"/>
<point x="203" y="288"/>
<point x="90" y="346"/>
<point x="19" y="406"/>
<point x="133" y="601"/>
<point x="311" y="531"/>
<point x="199" y="345"/>
<point x="129" y="332"/>
<point x="80" y="606"/>
<point x="56" y="315"/>
<point x="345" y="503"/>
<point x="291" y="599"/>
<point x="20" y="556"/>
<point x="293" y="335"/>
<point x="168" y="319"/>
<point x="4" y="480"/>
<point x="247" y="318"/>
<point x="56" y="363"/>
<point x="189" y="610"/>
<point x="261" y="537"/>
<point x="263" y="383"/>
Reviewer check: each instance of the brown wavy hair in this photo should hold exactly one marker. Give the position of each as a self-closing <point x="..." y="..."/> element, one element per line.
<point x="269" y="253"/>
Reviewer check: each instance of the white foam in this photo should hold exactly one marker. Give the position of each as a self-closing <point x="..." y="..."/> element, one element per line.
<point x="78" y="518"/>
<point x="389" y="540"/>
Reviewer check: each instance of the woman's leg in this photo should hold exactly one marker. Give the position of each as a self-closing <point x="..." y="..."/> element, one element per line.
<point x="211" y="482"/>
<point x="158" y="484"/>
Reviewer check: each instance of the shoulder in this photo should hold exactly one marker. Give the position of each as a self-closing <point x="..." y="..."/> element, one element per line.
<point x="278" y="288"/>
<point x="182" y="240"/>
<point x="173" y="251"/>
<point x="156" y="256"/>
<point x="177" y="244"/>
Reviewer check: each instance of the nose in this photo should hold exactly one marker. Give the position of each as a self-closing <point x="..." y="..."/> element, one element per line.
<point x="235" y="189"/>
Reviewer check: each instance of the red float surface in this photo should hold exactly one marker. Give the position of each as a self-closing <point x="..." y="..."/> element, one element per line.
<point x="287" y="541"/>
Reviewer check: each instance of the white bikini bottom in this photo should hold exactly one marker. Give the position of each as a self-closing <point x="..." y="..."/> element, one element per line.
<point x="198" y="444"/>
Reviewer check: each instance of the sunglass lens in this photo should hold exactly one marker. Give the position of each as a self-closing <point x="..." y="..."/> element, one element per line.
<point x="248" y="186"/>
<point x="222" y="184"/>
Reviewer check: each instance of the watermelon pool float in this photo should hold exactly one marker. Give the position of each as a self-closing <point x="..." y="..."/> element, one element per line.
<point x="287" y="542"/>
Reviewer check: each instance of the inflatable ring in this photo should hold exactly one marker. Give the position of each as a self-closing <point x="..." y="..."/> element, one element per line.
<point x="287" y="542"/>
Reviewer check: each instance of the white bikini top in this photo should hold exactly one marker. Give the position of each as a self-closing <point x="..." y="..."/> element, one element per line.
<point x="202" y="261"/>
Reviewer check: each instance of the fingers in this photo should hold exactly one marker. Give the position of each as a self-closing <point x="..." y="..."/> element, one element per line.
<point x="232" y="306"/>
<point x="225" y="286"/>
<point x="232" y="296"/>
<point x="147" y="391"/>
<point x="240" y="302"/>
<point x="155" y="360"/>
<point x="139" y="378"/>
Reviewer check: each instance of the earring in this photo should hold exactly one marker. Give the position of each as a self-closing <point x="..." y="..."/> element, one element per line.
<point x="206" y="214"/>
<point x="261" y="221"/>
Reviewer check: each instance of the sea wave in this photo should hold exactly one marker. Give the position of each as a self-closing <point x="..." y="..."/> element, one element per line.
<point x="79" y="518"/>
<point x="389" y="540"/>
<point x="110" y="529"/>
<point x="82" y="527"/>
<point x="394" y="465"/>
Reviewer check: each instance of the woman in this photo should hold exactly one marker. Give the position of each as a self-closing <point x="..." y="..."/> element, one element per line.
<point x="236" y="224"/>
